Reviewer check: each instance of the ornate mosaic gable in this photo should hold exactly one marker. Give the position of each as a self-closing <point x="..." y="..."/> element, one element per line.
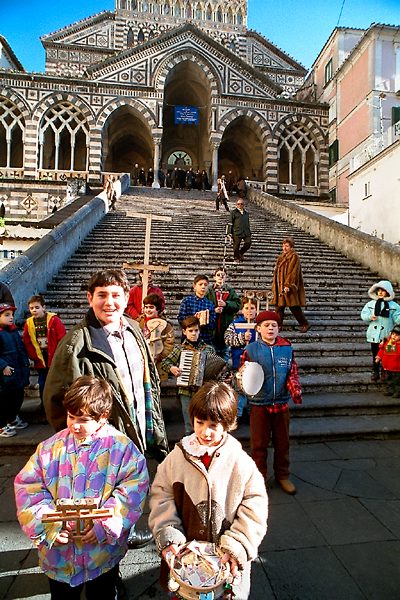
<point x="261" y="56"/>
<point x="99" y="35"/>
<point x="139" y="67"/>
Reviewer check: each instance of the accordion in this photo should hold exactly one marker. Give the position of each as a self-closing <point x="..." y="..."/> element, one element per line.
<point x="198" y="366"/>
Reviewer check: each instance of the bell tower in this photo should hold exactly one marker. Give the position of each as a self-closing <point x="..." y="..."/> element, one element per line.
<point x="205" y="14"/>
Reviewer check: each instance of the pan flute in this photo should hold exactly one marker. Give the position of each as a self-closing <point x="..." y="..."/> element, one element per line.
<point x="198" y="366"/>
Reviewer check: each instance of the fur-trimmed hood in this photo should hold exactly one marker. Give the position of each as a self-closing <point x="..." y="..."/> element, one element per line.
<point x="385" y="285"/>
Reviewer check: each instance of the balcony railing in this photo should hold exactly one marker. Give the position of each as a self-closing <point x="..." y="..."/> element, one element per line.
<point x="374" y="145"/>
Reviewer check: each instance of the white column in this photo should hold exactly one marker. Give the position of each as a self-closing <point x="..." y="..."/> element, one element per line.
<point x="8" y="141"/>
<point x="156" y="183"/>
<point x="40" y="154"/>
<point x="214" y="174"/>
<point x="57" y="144"/>
<point x="72" y="154"/>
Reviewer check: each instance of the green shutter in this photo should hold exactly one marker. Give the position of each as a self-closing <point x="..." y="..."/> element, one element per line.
<point x="333" y="153"/>
<point x="395" y="114"/>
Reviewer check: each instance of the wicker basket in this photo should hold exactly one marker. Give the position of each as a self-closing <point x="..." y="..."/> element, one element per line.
<point x="188" y="592"/>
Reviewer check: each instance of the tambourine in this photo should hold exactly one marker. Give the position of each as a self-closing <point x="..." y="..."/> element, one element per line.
<point x="250" y="378"/>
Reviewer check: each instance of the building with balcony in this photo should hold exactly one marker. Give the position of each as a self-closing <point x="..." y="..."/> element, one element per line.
<point x="357" y="73"/>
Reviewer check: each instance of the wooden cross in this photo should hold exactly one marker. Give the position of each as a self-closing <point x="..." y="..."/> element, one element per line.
<point x="146" y="267"/>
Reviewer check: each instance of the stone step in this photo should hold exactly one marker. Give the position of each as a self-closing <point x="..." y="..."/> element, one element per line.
<point x="333" y="364"/>
<point x="333" y="355"/>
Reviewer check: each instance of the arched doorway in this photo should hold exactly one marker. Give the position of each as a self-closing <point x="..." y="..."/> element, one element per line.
<point x="126" y="141"/>
<point x="186" y="86"/>
<point x="241" y="150"/>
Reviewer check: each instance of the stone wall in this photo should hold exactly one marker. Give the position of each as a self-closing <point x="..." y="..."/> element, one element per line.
<point x="30" y="273"/>
<point x="376" y="254"/>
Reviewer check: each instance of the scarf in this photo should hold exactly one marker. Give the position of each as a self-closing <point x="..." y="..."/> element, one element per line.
<point x="381" y="308"/>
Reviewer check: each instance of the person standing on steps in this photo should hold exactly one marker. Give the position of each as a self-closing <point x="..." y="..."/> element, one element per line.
<point x="135" y="300"/>
<point x="381" y="313"/>
<point x="222" y="194"/>
<point x="227" y="304"/>
<point x="108" y="345"/>
<point x="240" y="230"/>
<point x="269" y="408"/>
<point x="288" y="285"/>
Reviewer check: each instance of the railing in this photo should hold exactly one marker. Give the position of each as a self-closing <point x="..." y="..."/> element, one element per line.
<point x="61" y="175"/>
<point x="11" y="173"/>
<point x="374" y="145"/>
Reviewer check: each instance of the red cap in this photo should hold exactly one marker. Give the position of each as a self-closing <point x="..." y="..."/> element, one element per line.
<point x="267" y="315"/>
<point x="5" y="306"/>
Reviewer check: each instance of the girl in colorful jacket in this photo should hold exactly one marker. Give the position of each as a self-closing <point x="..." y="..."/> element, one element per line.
<point x="42" y="332"/>
<point x="88" y="460"/>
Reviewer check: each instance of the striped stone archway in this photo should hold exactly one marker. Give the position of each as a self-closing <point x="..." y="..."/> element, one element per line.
<point x="99" y="145"/>
<point x="194" y="56"/>
<point x="259" y="123"/>
<point x="40" y="110"/>
<point x="19" y="103"/>
<point x="320" y="138"/>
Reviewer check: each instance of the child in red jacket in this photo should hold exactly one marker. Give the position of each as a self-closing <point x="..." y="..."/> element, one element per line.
<point x="389" y="355"/>
<point x="42" y="332"/>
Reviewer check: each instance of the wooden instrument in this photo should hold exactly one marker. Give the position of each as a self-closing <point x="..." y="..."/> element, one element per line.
<point x="260" y="295"/>
<point x="204" y="317"/>
<point x="156" y="327"/>
<point x="198" y="366"/>
<point x="81" y="511"/>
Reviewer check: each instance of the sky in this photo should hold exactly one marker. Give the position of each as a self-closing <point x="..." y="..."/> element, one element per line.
<point x="298" y="28"/>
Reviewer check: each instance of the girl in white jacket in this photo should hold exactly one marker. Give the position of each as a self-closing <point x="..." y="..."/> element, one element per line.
<point x="209" y="489"/>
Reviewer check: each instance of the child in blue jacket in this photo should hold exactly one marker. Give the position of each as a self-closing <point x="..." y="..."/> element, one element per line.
<point x="14" y="372"/>
<point x="269" y="413"/>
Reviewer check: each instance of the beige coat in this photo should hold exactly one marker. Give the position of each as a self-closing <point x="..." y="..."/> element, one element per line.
<point x="226" y="504"/>
<point x="287" y="273"/>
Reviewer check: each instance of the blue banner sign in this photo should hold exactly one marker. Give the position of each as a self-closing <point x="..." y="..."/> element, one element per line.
<point x="189" y="115"/>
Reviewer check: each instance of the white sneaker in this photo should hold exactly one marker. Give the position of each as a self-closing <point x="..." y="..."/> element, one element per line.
<point x="18" y="423"/>
<point x="6" y="432"/>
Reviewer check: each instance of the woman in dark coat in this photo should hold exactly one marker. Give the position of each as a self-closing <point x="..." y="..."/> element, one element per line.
<point x="288" y="285"/>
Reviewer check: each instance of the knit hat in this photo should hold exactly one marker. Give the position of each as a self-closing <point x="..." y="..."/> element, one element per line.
<point x="5" y="306"/>
<point x="267" y="315"/>
<point x="396" y="329"/>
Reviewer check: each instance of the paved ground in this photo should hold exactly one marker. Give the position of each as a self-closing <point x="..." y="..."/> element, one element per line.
<point x="338" y="538"/>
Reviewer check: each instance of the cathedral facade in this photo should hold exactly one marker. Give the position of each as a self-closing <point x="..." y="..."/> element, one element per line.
<point x="159" y="84"/>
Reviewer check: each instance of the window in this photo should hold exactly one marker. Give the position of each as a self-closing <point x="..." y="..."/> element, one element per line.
<point x="332" y="194"/>
<point x="328" y="71"/>
<point x="367" y="189"/>
<point x="130" y="41"/>
<point x="333" y="153"/>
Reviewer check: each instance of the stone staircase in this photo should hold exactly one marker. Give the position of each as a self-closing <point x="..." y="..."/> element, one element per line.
<point x="333" y="357"/>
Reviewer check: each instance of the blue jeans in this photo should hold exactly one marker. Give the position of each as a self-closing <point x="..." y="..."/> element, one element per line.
<point x="185" y="401"/>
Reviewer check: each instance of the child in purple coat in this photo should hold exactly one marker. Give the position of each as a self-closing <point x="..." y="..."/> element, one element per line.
<point x="88" y="460"/>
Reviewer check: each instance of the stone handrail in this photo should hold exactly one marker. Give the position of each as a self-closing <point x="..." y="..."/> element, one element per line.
<point x="30" y="273"/>
<point x="375" y="254"/>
